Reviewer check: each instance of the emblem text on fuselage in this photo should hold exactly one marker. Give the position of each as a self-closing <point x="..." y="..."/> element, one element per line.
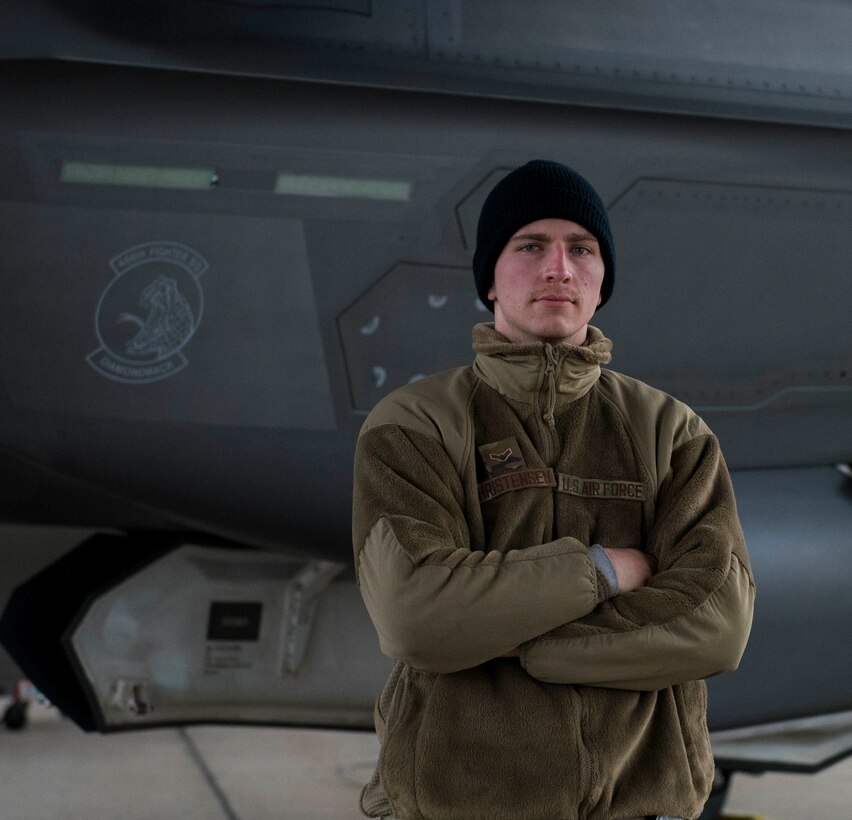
<point x="160" y="280"/>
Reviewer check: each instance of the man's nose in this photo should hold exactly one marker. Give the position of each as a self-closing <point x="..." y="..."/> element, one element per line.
<point x="558" y="265"/>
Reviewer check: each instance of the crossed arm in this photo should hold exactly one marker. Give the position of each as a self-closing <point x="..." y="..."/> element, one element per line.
<point x="631" y="569"/>
<point x="443" y="607"/>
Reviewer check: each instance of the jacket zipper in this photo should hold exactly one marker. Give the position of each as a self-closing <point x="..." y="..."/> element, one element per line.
<point x="551" y="366"/>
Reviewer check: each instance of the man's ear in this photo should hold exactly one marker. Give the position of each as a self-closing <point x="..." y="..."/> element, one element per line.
<point x="492" y="294"/>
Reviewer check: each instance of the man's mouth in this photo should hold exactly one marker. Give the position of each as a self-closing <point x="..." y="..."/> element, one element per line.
<point x="553" y="297"/>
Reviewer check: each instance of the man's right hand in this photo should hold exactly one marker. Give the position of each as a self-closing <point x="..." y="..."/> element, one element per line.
<point x="632" y="567"/>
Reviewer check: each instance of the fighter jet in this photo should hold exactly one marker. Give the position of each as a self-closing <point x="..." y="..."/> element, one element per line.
<point x="228" y="229"/>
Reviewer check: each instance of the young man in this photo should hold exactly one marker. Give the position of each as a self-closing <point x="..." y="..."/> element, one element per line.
<point x="549" y="550"/>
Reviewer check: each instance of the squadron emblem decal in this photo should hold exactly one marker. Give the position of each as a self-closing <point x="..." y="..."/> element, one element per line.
<point x="148" y="312"/>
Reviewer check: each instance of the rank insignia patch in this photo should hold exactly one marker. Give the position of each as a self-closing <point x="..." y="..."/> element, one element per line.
<point x="502" y="457"/>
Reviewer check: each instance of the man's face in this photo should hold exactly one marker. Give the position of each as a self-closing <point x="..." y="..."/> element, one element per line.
<point x="547" y="283"/>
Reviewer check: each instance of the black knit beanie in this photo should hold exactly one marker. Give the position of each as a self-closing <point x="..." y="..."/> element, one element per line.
<point x="541" y="189"/>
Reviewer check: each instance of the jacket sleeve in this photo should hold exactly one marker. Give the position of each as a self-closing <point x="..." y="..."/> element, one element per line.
<point x="437" y="604"/>
<point x="692" y="619"/>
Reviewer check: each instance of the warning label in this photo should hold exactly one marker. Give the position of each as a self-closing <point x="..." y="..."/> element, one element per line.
<point x="224" y="657"/>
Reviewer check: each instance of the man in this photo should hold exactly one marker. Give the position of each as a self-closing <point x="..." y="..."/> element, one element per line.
<point x="549" y="550"/>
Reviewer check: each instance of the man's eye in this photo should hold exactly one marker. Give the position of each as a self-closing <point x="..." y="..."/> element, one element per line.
<point x="581" y="250"/>
<point x="528" y="247"/>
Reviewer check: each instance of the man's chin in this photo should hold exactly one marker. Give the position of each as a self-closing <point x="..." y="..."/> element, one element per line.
<point x="562" y="334"/>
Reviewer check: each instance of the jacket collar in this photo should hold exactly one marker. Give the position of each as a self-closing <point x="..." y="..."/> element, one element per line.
<point x="522" y="372"/>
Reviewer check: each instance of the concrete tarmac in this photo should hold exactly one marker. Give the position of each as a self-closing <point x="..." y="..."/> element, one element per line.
<point x="51" y="769"/>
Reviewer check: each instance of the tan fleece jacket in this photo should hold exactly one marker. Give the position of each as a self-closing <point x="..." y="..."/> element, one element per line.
<point x="478" y="493"/>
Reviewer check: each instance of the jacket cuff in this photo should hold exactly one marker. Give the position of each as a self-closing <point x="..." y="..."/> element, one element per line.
<point x="605" y="572"/>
